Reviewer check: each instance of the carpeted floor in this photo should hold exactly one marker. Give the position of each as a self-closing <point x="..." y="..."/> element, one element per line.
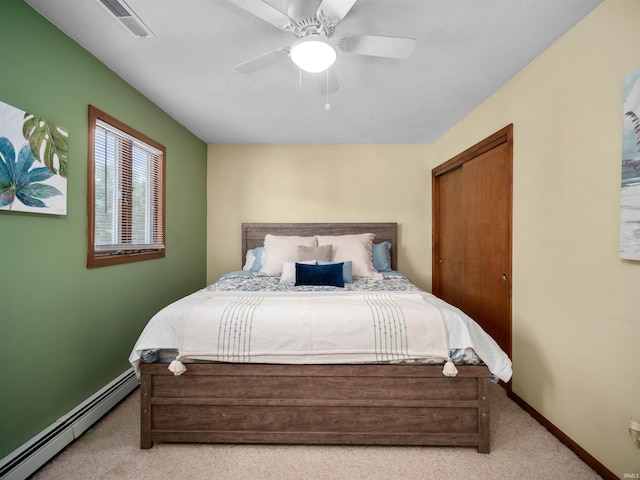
<point x="520" y="449"/>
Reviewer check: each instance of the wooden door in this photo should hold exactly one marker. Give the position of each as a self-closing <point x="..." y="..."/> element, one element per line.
<point x="472" y="211"/>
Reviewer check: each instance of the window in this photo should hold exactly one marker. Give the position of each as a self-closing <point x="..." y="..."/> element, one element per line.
<point x="125" y="194"/>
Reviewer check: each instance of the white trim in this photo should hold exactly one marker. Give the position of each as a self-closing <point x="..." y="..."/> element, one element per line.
<point x="33" y="454"/>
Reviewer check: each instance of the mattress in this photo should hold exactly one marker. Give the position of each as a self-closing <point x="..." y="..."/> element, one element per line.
<point x="467" y="342"/>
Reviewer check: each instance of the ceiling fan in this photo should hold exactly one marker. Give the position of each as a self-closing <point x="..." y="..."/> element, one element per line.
<point x="313" y="23"/>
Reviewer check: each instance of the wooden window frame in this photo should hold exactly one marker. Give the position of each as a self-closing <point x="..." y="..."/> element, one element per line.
<point x="100" y="258"/>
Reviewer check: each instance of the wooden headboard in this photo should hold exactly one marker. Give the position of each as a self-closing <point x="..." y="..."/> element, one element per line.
<point x="253" y="233"/>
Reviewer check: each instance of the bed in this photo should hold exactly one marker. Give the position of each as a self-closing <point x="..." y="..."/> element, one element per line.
<point x="388" y="401"/>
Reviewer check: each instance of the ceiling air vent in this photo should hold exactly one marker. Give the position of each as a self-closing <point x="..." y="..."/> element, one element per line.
<point x="123" y="13"/>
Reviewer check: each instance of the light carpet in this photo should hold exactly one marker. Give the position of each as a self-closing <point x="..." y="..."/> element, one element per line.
<point x="520" y="448"/>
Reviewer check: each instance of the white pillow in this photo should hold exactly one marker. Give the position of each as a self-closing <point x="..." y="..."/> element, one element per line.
<point x="250" y="258"/>
<point x="356" y="248"/>
<point x="289" y="271"/>
<point x="279" y="249"/>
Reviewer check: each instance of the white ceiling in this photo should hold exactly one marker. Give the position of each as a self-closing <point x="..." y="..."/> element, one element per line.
<point x="465" y="50"/>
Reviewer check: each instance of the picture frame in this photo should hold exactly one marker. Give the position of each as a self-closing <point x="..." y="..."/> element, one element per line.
<point x="33" y="163"/>
<point x="630" y="176"/>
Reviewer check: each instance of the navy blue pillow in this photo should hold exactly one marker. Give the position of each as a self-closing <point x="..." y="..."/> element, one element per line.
<point x="347" y="276"/>
<point x="330" y="275"/>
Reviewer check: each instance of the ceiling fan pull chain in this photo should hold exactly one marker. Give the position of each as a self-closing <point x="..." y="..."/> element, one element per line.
<point x="327" y="105"/>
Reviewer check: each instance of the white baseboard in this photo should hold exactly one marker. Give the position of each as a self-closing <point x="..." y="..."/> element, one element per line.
<point x="29" y="457"/>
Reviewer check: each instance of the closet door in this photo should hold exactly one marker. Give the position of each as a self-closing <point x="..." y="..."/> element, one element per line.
<point x="472" y="205"/>
<point x="451" y="239"/>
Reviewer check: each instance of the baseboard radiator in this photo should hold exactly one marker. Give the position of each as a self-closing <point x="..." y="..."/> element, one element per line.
<point x="26" y="459"/>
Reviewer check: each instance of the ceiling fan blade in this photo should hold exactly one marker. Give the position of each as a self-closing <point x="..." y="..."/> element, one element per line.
<point x="263" y="60"/>
<point x="328" y="81"/>
<point x="335" y="10"/>
<point x="378" y="46"/>
<point x="266" y="12"/>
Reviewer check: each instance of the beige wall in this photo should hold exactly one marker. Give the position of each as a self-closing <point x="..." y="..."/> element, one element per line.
<point x="319" y="183"/>
<point x="573" y="298"/>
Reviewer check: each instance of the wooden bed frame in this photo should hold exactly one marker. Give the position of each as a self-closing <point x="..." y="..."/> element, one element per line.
<point x="315" y="404"/>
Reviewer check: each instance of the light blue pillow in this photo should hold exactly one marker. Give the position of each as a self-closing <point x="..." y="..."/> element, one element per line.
<point x="347" y="268"/>
<point x="381" y="256"/>
<point x="257" y="263"/>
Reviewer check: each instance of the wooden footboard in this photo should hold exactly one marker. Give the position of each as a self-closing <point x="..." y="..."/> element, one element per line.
<point x="315" y="404"/>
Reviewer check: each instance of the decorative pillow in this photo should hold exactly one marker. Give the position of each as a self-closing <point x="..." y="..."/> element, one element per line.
<point x="347" y="276"/>
<point x="249" y="259"/>
<point x="253" y="260"/>
<point x="289" y="271"/>
<point x="381" y="256"/>
<point x="330" y="275"/>
<point x="356" y="248"/>
<point x="279" y="249"/>
<point x="315" y="253"/>
<point x="257" y="263"/>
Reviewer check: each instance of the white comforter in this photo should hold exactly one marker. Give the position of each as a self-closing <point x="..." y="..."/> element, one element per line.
<point x="313" y="327"/>
<point x="165" y="329"/>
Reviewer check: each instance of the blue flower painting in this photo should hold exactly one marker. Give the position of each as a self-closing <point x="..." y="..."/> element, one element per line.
<point x="19" y="180"/>
<point x="33" y="163"/>
<point x="630" y="198"/>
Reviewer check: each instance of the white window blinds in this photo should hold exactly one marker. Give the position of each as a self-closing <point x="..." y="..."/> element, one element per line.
<point x="127" y="193"/>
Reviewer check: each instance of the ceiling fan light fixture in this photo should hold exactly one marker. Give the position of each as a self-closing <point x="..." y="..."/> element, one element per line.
<point x="313" y="54"/>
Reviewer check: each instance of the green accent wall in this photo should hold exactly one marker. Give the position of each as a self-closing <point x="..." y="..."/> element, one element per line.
<point x="65" y="330"/>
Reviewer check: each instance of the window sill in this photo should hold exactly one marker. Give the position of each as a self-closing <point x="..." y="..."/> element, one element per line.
<point x="105" y="259"/>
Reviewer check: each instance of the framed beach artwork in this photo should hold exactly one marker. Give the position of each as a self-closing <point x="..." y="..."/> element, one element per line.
<point x="33" y="163"/>
<point x="630" y="201"/>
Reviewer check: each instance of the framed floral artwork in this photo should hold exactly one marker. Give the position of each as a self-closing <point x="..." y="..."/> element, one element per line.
<point x="33" y="163"/>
